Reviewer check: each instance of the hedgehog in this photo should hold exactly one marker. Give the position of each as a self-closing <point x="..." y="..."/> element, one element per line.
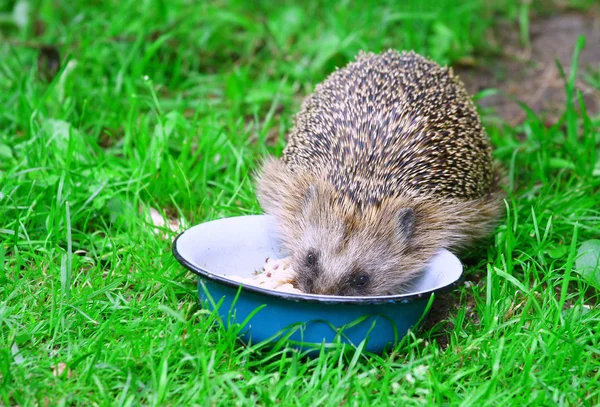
<point x="386" y="164"/>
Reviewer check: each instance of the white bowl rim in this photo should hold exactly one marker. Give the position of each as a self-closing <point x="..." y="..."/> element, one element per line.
<point x="403" y="298"/>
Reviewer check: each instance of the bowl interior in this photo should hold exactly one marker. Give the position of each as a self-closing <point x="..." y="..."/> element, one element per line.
<point x="240" y="245"/>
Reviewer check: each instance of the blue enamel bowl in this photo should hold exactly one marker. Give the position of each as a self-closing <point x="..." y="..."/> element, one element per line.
<point x="240" y="245"/>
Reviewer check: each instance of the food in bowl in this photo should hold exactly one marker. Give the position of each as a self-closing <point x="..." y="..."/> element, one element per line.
<point x="276" y="274"/>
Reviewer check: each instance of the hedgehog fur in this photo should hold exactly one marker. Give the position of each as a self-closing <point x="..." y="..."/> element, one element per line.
<point x="386" y="164"/>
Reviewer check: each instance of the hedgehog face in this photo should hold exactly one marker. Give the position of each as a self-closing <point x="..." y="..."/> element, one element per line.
<point x="331" y="265"/>
<point x="335" y="247"/>
<point x="341" y="252"/>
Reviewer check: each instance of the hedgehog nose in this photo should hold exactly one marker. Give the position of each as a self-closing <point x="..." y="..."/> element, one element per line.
<point x="306" y="288"/>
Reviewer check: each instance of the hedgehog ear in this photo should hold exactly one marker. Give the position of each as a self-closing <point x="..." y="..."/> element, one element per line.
<point x="310" y="193"/>
<point x="405" y="223"/>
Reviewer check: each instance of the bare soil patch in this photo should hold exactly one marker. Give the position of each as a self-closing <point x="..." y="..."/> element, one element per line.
<point x="530" y="74"/>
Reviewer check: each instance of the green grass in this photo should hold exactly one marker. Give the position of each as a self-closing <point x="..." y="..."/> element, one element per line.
<point x="171" y="105"/>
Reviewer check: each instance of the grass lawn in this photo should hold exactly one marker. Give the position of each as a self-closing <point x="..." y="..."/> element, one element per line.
<point x="171" y="105"/>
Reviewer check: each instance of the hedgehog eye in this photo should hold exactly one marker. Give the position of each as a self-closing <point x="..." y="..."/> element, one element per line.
<point x="311" y="259"/>
<point x="361" y="280"/>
